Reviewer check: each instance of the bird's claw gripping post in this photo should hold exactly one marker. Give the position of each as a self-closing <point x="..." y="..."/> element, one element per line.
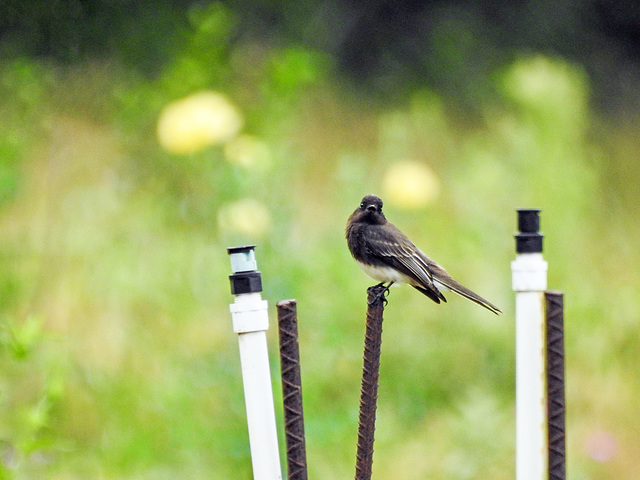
<point x="380" y="293"/>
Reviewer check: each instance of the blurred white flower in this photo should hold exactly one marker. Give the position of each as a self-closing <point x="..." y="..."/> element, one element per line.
<point x="198" y="121"/>
<point x="548" y="85"/>
<point x="248" y="151"/>
<point x="410" y="184"/>
<point x="247" y="216"/>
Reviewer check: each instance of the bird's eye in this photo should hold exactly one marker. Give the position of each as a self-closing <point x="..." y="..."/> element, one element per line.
<point x="362" y="205"/>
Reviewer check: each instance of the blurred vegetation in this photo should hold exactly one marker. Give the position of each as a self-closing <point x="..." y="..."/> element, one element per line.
<point x="137" y="143"/>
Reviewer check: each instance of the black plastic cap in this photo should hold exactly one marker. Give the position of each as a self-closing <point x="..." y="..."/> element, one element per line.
<point x="529" y="240"/>
<point x="529" y="220"/>
<point x="246" y="282"/>
<point x="242" y="249"/>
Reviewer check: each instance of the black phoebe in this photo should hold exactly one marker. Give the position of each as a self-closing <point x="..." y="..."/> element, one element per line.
<point x="387" y="255"/>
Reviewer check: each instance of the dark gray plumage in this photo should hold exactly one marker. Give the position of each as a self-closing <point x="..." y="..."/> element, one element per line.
<point x="387" y="255"/>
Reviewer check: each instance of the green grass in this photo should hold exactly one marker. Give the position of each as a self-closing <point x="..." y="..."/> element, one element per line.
<point x="117" y="355"/>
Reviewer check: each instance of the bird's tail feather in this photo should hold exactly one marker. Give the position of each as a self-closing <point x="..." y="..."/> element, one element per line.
<point x="463" y="291"/>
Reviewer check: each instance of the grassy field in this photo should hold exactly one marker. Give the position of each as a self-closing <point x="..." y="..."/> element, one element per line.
<point x="117" y="356"/>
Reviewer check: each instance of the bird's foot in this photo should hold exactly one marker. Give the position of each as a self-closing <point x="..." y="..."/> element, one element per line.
<point x="382" y="292"/>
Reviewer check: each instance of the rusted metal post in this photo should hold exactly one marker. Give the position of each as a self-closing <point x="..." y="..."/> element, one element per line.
<point x="370" y="375"/>
<point x="292" y="390"/>
<point x="555" y="385"/>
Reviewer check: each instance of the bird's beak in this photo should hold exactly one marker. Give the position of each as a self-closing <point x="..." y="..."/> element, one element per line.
<point x="371" y="208"/>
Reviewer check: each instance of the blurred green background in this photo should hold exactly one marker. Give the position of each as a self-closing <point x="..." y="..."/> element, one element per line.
<point x="138" y="141"/>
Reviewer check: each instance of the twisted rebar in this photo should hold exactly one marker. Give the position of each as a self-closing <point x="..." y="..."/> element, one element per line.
<point x="555" y="385"/>
<point x="370" y="375"/>
<point x="292" y="390"/>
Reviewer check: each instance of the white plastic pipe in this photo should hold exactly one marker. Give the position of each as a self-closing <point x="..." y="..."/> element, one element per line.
<point x="250" y="322"/>
<point x="529" y="276"/>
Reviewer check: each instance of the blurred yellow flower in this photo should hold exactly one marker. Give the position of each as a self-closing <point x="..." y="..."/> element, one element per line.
<point x="246" y="216"/>
<point x="248" y="151"/>
<point x="198" y="121"/>
<point x="410" y="184"/>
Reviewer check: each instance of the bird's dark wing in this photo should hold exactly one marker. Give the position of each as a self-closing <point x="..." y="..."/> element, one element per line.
<point x="393" y="248"/>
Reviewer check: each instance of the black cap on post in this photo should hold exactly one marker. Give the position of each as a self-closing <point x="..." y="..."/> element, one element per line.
<point x="529" y="240"/>
<point x="245" y="278"/>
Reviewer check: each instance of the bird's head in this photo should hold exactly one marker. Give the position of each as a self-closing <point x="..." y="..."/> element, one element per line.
<point x="369" y="211"/>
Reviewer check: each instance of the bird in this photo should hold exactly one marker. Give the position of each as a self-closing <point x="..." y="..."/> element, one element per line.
<point x="388" y="256"/>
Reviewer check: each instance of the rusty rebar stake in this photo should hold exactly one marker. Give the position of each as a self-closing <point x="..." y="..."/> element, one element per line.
<point x="370" y="375"/>
<point x="555" y="385"/>
<point x="292" y="390"/>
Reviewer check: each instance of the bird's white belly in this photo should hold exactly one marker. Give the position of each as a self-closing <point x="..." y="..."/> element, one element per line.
<point x="384" y="274"/>
<point x="388" y="274"/>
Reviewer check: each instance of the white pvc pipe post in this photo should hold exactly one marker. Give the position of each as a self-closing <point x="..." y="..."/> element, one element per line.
<point x="251" y="321"/>
<point x="529" y="276"/>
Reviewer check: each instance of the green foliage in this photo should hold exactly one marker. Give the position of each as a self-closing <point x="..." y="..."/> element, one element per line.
<point x="20" y="340"/>
<point x="117" y="356"/>
<point x="32" y="386"/>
